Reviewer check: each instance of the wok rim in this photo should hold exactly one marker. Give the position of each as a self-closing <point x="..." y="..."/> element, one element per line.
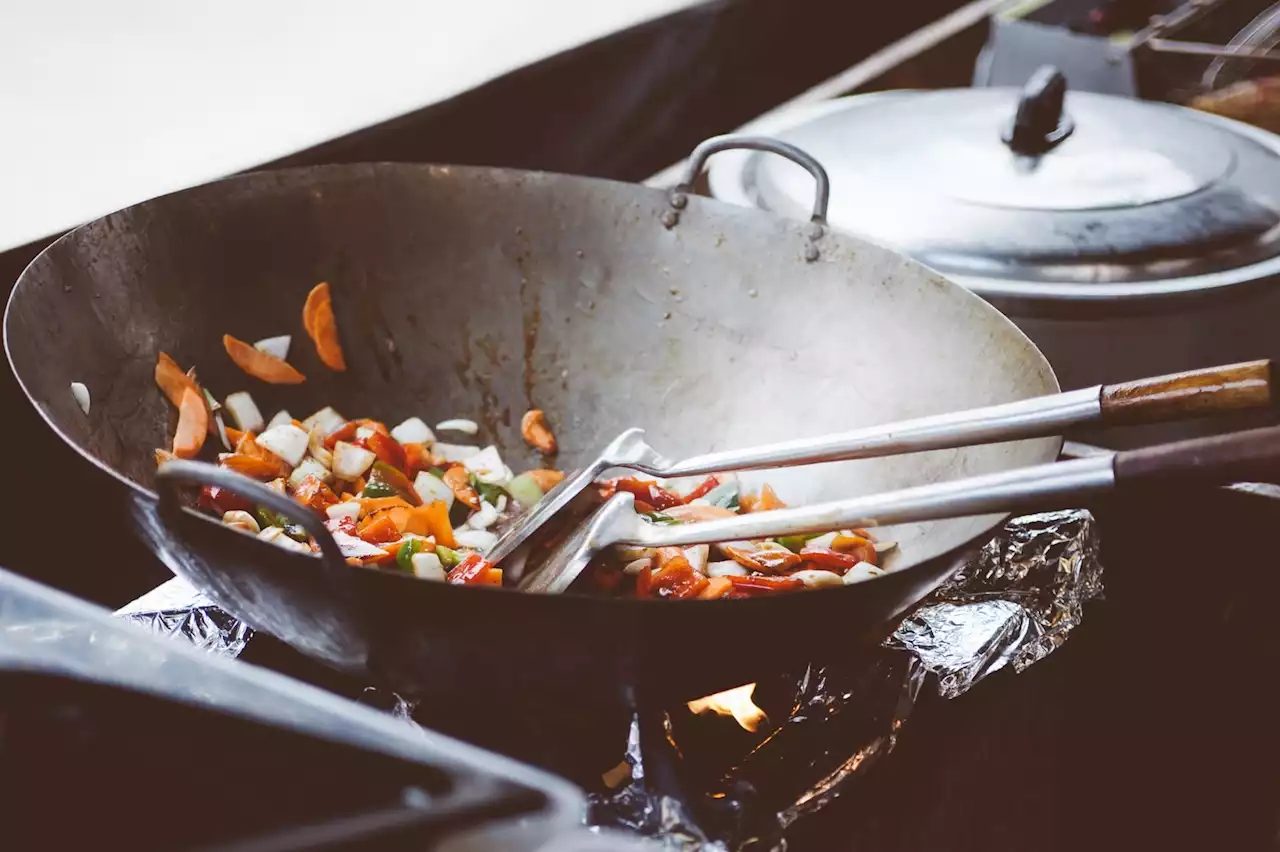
<point x="141" y="491"/>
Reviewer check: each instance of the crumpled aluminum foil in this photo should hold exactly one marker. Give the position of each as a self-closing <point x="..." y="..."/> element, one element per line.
<point x="702" y="784"/>
<point x="177" y="608"/>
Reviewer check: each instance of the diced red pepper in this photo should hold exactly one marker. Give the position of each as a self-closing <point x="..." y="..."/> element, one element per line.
<point x="220" y="500"/>
<point x="644" y="583"/>
<point x="381" y="530"/>
<point x="677" y="579"/>
<point x="314" y="493"/>
<point x="416" y="457"/>
<point x="345" y="524"/>
<point x="704" y="488"/>
<point x="765" y="584"/>
<point x="474" y="571"/>
<point x="831" y="559"/>
<point x="345" y="432"/>
<point x="388" y="449"/>
<point x="649" y="492"/>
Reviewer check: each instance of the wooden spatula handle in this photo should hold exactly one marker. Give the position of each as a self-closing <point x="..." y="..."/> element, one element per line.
<point x="1191" y="394"/>
<point x="1251" y="456"/>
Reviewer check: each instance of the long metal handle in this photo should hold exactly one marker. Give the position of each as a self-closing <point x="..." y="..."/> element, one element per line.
<point x="716" y="144"/>
<point x="1152" y="400"/>
<point x="1028" y="489"/>
<point x="1027" y="418"/>
<point x="175" y="473"/>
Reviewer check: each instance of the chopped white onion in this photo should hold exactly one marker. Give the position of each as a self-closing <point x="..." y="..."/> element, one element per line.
<point x="427" y="566"/>
<point x="343" y="510"/>
<point x="481" y="540"/>
<point x="222" y="429"/>
<point x="861" y="571"/>
<point x="487" y="466"/>
<point x="364" y="433"/>
<point x="432" y="488"/>
<point x="486" y="517"/>
<point x="631" y="553"/>
<point x="727" y="568"/>
<point x="276" y="536"/>
<point x="81" y="394"/>
<point x="241" y="520"/>
<point x="275" y="346"/>
<point x="308" y="467"/>
<point x="635" y="567"/>
<point x="326" y="419"/>
<point x="282" y="417"/>
<point x="287" y="441"/>
<point x="824" y="540"/>
<point x="413" y="431"/>
<point x="467" y="427"/>
<point x="349" y="461"/>
<point x="315" y="445"/>
<point x="884" y="546"/>
<point x="454" y="452"/>
<point x="816" y="579"/>
<point x="244" y="412"/>
<point x="351" y="545"/>
<point x="698" y="556"/>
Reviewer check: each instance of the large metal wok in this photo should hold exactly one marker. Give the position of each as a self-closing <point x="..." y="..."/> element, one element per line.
<point x="483" y="292"/>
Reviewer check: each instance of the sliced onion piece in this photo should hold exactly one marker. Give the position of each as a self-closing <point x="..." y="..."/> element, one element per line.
<point x="481" y="540"/>
<point x="244" y="412"/>
<point x="634" y="567"/>
<point x="861" y="571"/>
<point x="524" y="490"/>
<point x="349" y="461"/>
<point x="727" y="568"/>
<point x="413" y="431"/>
<point x="277" y="347"/>
<point x="282" y="417"/>
<point x="431" y="488"/>
<point x="326" y="420"/>
<point x="343" y="510"/>
<point x="309" y="467"/>
<point x="815" y="579"/>
<point x="287" y="441"/>
<point x="467" y="427"/>
<point x="81" y="394"/>
<point x="454" y="452"/>
<point x="487" y="466"/>
<point x="427" y="566"/>
<point x="698" y="556"/>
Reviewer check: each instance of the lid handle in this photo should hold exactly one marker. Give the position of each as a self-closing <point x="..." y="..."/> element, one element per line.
<point x="1040" y="124"/>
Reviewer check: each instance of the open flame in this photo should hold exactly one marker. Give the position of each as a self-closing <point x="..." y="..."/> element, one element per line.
<point x="734" y="702"/>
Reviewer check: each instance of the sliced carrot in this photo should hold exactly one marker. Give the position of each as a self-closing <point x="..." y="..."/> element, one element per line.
<point x="233" y="436"/>
<point x="545" y="479"/>
<point x="322" y="326"/>
<point x="373" y="505"/>
<point x="250" y="466"/>
<point x="717" y="587"/>
<point x="193" y="425"/>
<point x="247" y="446"/>
<point x="259" y="364"/>
<point x="171" y="380"/>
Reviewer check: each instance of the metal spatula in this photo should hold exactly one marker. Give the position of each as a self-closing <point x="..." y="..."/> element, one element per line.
<point x="1172" y="397"/>
<point x="1219" y="460"/>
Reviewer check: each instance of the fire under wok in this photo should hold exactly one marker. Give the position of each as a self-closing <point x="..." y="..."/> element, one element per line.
<point x="484" y="292"/>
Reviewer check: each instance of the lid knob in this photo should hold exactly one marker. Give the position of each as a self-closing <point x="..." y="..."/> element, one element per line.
<point x="1040" y="124"/>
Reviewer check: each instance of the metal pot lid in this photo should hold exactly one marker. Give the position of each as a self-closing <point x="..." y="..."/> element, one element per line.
<point x="1038" y="193"/>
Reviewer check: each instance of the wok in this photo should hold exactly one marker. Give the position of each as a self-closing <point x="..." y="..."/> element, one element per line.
<point x="482" y="292"/>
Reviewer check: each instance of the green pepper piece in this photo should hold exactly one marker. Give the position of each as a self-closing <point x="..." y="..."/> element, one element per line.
<point x="437" y="472"/>
<point x="295" y="532"/>
<point x="404" y="556"/>
<point x="489" y="493"/>
<point x="448" y="557"/>
<point x="794" y="543"/>
<point x="660" y="518"/>
<point x="213" y="404"/>
<point x="266" y="517"/>
<point x="377" y="488"/>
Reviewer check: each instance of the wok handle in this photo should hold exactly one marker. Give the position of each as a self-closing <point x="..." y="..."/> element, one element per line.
<point x="172" y="474"/>
<point x="1190" y="394"/>
<point x="716" y="144"/>
<point x="1250" y="456"/>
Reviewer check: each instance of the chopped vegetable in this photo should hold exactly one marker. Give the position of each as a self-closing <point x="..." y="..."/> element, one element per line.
<point x="279" y="419"/>
<point x="485" y="518"/>
<point x="172" y="380"/>
<point x="474" y="570"/>
<point x="222" y="500"/>
<point x="276" y="347"/>
<point x="659" y="518"/>
<point x="404" y="556"/>
<point x="696" y="512"/>
<point x="434" y="519"/>
<point x="649" y="492"/>
<point x="454" y="452"/>
<point x="703" y="489"/>
<point x="250" y="466"/>
<point x="717" y="587"/>
<point x="794" y="543"/>
<point x="858" y="548"/>
<point x="277" y="536"/>
<point x="326" y="420"/>
<point x="413" y="431"/>
<point x="487" y="492"/>
<point x="350" y="461"/>
<point x="467" y="427"/>
<point x="388" y="450"/>
<point x="379" y="529"/>
<point x="343" y="510"/>
<point x="724" y="495"/>
<point x="244" y="412"/>
<point x="309" y="467"/>
<point x="524" y="489"/>
<point x="427" y="566"/>
<point x="817" y="578"/>
<point x="81" y="395"/>
<point x="314" y="493"/>
<point x="377" y="488"/>
<point x="448" y="557"/>
<point x="287" y="441"/>
<point x="193" y="425"/>
<point x="487" y="466"/>
<point x="536" y="433"/>
<point x="241" y="520"/>
<point x="481" y="540"/>
<point x="861" y="571"/>
<point x="267" y="518"/>
<point x="259" y="364"/>
<point x="459" y="481"/>
<point x="728" y="568"/>
<point x="322" y="326"/>
<point x="430" y="488"/>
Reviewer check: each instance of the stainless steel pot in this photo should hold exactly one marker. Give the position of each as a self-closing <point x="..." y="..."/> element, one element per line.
<point x="1124" y="237"/>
